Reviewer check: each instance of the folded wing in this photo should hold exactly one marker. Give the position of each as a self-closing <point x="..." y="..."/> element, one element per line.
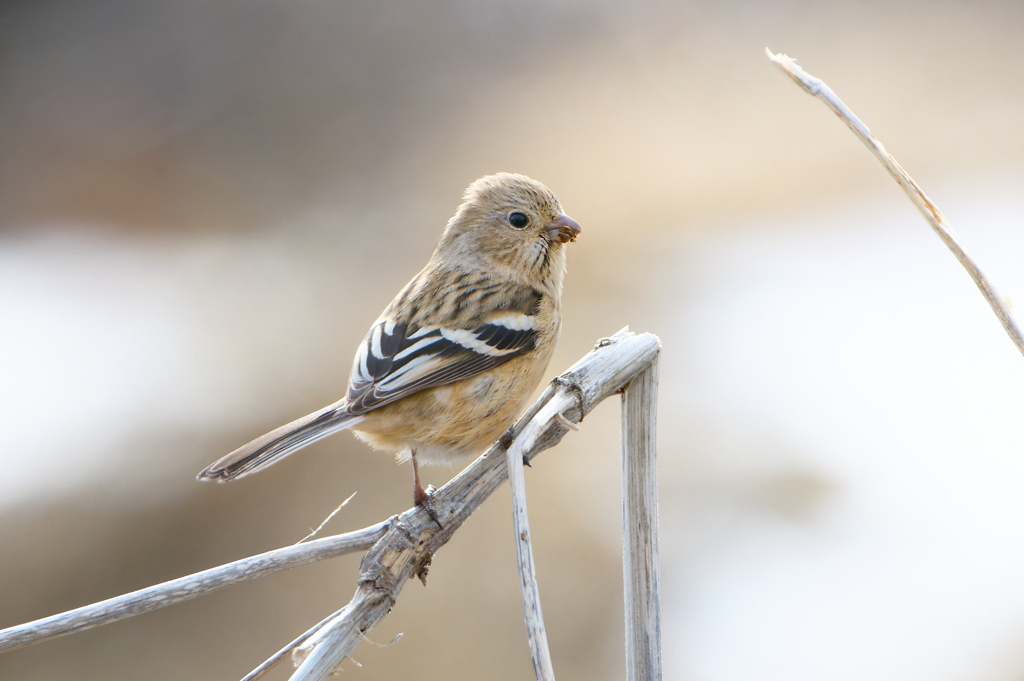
<point x="398" y="358"/>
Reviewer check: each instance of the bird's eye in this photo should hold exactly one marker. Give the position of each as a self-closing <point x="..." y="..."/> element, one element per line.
<point x="518" y="220"/>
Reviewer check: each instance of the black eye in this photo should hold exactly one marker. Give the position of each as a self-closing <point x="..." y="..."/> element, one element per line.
<point x="518" y="220"/>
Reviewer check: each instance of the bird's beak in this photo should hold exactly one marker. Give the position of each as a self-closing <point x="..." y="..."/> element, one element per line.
<point x="563" y="229"/>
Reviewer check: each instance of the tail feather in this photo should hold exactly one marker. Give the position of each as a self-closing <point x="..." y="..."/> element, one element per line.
<point x="277" y="444"/>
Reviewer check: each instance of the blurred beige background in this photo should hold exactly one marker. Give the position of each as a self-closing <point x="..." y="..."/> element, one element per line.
<point x="203" y="205"/>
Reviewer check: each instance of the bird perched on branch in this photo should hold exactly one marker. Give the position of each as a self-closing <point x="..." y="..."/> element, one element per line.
<point x="452" y="360"/>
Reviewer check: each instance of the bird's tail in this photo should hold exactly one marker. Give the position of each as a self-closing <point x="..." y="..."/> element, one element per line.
<point x="279" y="443"/>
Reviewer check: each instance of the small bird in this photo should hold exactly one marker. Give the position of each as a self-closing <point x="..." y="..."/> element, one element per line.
<point x="453" y="359"/>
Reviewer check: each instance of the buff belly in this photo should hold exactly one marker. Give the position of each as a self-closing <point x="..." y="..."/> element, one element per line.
<point x="471" y="414"/>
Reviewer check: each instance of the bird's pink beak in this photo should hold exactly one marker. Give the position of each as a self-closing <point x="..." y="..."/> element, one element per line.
<point x="563" y="229"/>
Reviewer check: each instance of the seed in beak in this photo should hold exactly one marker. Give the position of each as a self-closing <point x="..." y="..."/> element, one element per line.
<point x="564" y="229"/>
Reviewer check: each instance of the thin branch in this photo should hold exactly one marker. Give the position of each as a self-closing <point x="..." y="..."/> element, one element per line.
<point x="319" y="527"/>
<point x="189" y="587"/>
<point x="276" y="658"/>
<point x="536" y="632"/>
<point x="398" y="548"/>
<point x="932" y="214"/>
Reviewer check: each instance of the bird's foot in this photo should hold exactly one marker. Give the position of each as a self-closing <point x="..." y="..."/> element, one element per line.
<point x="423" y="499"/>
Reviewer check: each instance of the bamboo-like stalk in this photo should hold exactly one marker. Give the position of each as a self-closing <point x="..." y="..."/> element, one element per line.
<point x="640" y="527"/>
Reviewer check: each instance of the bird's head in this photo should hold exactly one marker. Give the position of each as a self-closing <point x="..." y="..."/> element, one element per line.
<point x="514" y="224"/>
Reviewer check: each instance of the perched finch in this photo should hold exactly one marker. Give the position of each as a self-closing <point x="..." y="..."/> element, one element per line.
<point x="452" y="360"/>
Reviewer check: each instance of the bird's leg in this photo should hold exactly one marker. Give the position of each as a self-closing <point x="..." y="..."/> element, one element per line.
<point x="422" y="496"/>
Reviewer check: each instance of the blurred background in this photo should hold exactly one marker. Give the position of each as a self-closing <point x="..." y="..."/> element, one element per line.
<point x="203" y="206"/>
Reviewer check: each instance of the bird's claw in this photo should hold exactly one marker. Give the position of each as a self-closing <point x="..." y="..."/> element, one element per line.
<point x="424" y="500"/>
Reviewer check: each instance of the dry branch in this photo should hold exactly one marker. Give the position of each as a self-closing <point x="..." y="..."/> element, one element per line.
<point x="543" y="669"/>
<point x="187" y="588"/>
<point x="931" y="212"/>
<point x="640" y="570"/>
<point x="401" y="546"/>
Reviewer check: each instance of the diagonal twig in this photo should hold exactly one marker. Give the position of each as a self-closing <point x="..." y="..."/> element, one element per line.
<point x="276" y="658"/>
<point x="189" y="587"/>
<point x="932" y="214"/>
<point x="328" y="519"/>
